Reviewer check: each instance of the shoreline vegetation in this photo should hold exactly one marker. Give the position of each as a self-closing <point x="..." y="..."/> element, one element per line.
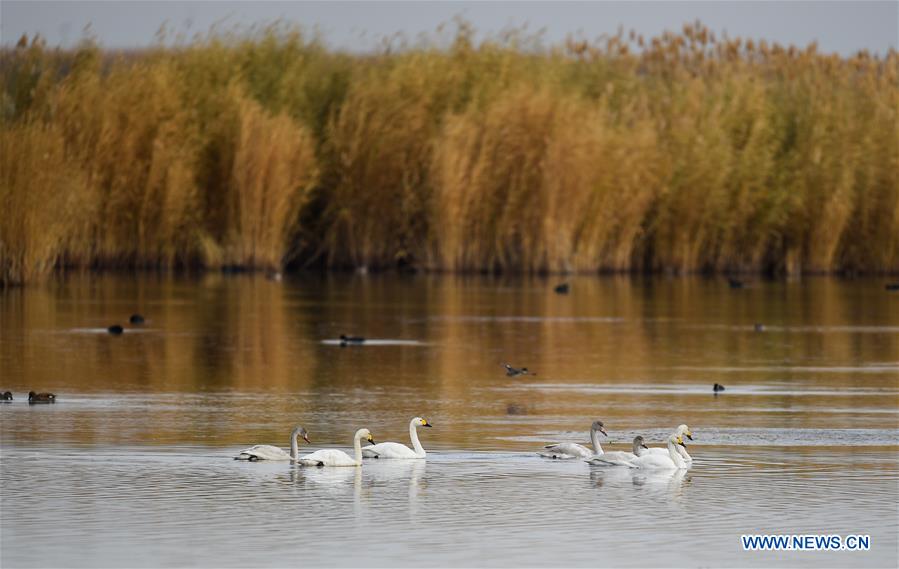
<point x="264" y="150"/>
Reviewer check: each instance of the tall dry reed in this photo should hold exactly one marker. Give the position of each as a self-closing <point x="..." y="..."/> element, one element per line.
<point x="683" y="152"/>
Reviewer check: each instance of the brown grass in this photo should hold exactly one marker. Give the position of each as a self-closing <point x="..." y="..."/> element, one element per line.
<point x="689" y="153"/>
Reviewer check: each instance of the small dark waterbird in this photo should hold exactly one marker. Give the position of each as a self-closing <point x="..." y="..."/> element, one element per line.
<point x="136" y="319"/>
<point x="892" y="286"/>
<point x="735" y="283"/>
<point x="516" y="371"/>
<point x="115" y="330"/>
<point x="515" y="409"/>
<point x="351" y="340"/>
<point x="563" y="288"/>
<point x="717" y="387"/>
<point x="6" y="396"/>
<point x="759" y="327"/>
<point x="41" y="397"/>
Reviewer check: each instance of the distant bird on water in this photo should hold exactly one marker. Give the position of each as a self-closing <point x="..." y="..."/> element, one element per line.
<point x="717" y="387"/>
<point x="516" y="371"/>
<point x="136" y="319"/>
<point x="759" y="327"/>
<point x="41" y="397"/>
<point x="354" y="340"/>
<point x="6" y="396"/>
<point x="563" y="288"/>
<point x="115" y="330"/>
<point x="892" y="286"/>
<point x="735" y="283"/>
<point x="515" y="409"/>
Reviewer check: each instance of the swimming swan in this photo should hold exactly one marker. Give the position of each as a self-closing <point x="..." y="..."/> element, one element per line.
<point x="397" y="450"/>
<point x="656" y="461"/>
<point x="333" y="457"/>
<point x="681" y="431"/>
<point x="269" y="452"/>
<point x="620" y="458"/>
<point x="574" y="450"/>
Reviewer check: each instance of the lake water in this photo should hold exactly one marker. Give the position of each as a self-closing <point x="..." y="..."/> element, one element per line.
<point x="132" y="466"/>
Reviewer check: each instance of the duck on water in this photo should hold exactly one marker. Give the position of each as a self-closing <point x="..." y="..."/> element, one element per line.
<point x="41" y="397"/>
<point x="351" y="340"/>
<point x="516" y="371"/>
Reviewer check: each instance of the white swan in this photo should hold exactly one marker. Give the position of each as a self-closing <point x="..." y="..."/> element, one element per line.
<point x="269" y="452"/>
<point x="397" y="450"/>
<point x="333" y="457"/>
<point x="682" y="430"/>
<point x="655" y="461"/>
<point x="574" y="450"/>
<point x="619" y="458"/>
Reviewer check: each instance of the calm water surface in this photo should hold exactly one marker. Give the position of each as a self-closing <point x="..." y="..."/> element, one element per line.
<point x="132" y="467"/>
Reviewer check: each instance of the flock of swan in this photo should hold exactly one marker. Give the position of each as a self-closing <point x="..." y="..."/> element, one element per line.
<point x="673" y="457"/>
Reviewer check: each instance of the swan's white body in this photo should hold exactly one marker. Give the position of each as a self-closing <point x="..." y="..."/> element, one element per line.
<point x="333" y="457"/>
<point x="269" y="452"/>
<point x="655" y="461"/>
<point x="682" y="451"/>
<point x="397" y="450"/>
<point x="619" y="458"/>
<point x="574" y="450"/>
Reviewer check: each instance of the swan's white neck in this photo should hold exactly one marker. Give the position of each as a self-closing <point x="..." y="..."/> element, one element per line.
<point x="681" y="450"/>
<point x="675" y="457"/>
<point x="594" y="438"/>
<point x="357" y="447"/>
<point x="416" y="444"/>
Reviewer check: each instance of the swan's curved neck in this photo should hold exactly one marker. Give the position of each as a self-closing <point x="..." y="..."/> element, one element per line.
<point x="294" y="445"/>
<point x="638" y="450"/>
<point x="357" y="448"/>
<point x="683" y="452"/>
<point x="416" y="444"/>
<point x="675" y="457"/>
<point x="594" y="438"/>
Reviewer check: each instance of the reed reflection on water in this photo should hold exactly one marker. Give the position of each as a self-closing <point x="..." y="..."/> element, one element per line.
<point x="133" y="464"/>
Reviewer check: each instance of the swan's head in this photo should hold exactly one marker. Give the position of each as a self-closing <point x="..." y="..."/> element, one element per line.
<point x="301" y="432"/>
<point x="421" y="422"/>
<point x="685" y="430"/>
<point x="678" y="440"/>
<point x="639" y="445"/>
<point x="597" y="426"/>
<point x="365" y="434"/>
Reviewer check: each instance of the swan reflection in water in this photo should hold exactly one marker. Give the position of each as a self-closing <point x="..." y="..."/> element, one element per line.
<point x="391" y="474"/>
<point x="331" y="480"/>
<point x="668" y="483"/>
<point x="372" y="482"/>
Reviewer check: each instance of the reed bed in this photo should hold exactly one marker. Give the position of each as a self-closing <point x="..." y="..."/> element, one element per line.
<point x="679" y="153"/>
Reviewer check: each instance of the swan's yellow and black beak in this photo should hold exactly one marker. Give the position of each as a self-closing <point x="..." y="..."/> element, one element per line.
<point x="371" y="439"/>
<point x="603" y="431"/>
<point x="424" y="423"/>
<point x="680" y="441"/>
<point x="689" y="435"/>
<point x="306" y="438"/>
